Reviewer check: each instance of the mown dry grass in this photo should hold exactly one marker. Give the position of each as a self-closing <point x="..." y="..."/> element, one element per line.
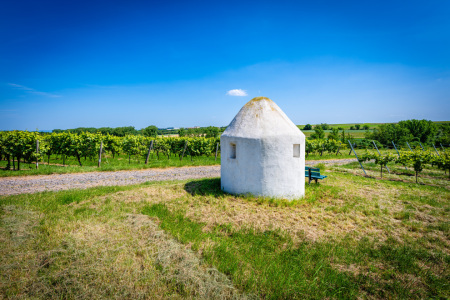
<point x="377" y="218"/>
<point x="350" y="237"/>
<point x="81" y="260"/>
<point x="96" y="249"/>
<point x="342" y="206"/>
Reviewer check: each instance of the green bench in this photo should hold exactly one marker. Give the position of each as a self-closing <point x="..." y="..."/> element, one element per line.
<point x="313" y="174"/>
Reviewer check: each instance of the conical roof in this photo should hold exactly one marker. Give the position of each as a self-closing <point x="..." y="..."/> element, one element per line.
<point x="261" y="117"/>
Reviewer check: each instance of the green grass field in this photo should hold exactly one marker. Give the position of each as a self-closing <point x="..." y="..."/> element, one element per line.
<point x="371" y="125"/>
<point x="347" y="126"/>
<point x="351" y="237"/>
<point x="356" y="134"/>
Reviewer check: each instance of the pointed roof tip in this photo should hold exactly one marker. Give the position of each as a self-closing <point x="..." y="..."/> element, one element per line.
<point x="260" y="98"/>
<point x="261" y="117"/>
<point x="257" y="99"/>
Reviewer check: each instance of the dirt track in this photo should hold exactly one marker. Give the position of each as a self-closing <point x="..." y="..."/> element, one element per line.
<point x="58" y="182"/>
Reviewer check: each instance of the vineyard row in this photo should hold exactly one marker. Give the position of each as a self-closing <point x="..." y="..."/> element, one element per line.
<point x="33" y="146"/>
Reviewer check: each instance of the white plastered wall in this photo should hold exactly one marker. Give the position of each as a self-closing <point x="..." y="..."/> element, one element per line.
<point x="265" y="164"/>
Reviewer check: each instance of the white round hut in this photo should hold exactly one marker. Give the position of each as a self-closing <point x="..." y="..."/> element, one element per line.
<point x="263" y="153"/>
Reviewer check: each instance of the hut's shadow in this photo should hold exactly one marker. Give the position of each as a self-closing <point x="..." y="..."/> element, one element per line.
<point x="207" y="186"/>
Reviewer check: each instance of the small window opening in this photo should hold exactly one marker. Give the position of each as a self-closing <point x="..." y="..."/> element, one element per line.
<point x="296" y="150"/>
<point x="232" y="150"/>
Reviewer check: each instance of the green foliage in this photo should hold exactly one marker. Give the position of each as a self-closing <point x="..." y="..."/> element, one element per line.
<point x="443" y="134"/>
<point x="133" y="145"/>
<point x="388" y="133"/>
<point x="123" y="131"/>
<point x="181" y="132"/>
<point x="112" y="144"/>
<point x="321" y="145"/>
<point x="19" y="145"/>
<point x="307" y="127"/>
<point x="163" y="145"/>
<point x="212" y="132"/>
<point x="22" y="145"/>
<point x="118" y="131"/>
<point x="442" y="161"/>
<point x="381" y="160"/>
<point x="150" y="131"/>
<point x="344" y="138"/>
<point x="417" y="159"/>
<point x="423" y="131"/>
<point x="324" y="126"/>
<point x="199" y="146"/>
<point x="334" y="134"/>
<point x="319" y="133"/>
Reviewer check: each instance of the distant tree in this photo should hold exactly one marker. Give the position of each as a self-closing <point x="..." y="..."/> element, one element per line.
<point x="422" y="130"/>
<point x="307" y="127"/>
<point x="318" y="133"/>
<point x="366" y="127"/>
<point x="443" y="134"/>
<point x="105" y="130"/>
<point x="122" y="131"/>
<point x="334" y="134"/>
<point x="340" y="128"/>
<point x="345" y="137"/>
<point x="388" y="133"/>
<point x="191" y="132"/>
<point x="151" y="131"/>
<point x="352" y="128"/>
<point x="212" y="131"/>
<point x="324" y="126"/>
<point x="181" y="132"/>
<point x="357" y="126"/>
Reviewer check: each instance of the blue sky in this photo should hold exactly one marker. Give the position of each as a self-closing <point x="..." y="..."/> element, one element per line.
<point x="173" y="63"/>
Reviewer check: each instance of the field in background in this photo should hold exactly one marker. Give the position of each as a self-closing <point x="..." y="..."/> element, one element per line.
<point x="347" y="126"/>
<point x="371" y="125"/>
<point x="356" y="134"/>
<point x="350" y="237"/>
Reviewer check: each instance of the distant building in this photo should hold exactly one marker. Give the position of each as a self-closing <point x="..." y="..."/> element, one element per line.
<point x="263" y="153"/>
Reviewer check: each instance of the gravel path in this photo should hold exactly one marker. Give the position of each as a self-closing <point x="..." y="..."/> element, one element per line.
<point x="58" y="182"/>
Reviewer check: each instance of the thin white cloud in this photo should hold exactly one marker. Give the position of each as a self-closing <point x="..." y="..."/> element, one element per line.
<point x="32" y="91"/>
<point x="237" y="92"/>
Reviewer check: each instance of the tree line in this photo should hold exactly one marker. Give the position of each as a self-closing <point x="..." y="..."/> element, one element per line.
<point x="149" y="131"/>
<point x="325" y="126"/>
<point x="423" y="131"/>
<point x="412" y="131"/>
